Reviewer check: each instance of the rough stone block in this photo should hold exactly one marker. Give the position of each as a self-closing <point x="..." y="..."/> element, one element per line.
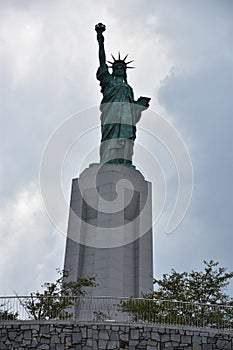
<point x="207" y="347"/>
<point x="222" y="344"/>
<point x="146" y="335"/>
<point x="162" y="330"/>
<point x="95" y="334"/>
<point x="89" y="333"/>
<point x="45" y="340"/>
<point x="94" y="345"/>
<point x="46" y="347"/>
<point x="155" y="336"/>
<point x="35" y="342"/>
<point x="142" y="344"/>
<point x="175" y="337"/>
<point x="89" y="342"/>
<point x="12" y="334"/>
<point x="114" y="336"/>
<point x="27" y="334"/>
<point x="196" y="339"/>
<point x="44" y="329"/>
<point x="102" y="344"/>
<point x="197" y="347"/>
<point x="55" y="339"/>
<point x="175" y="344"/>
<point x="84" y="332"/>
<point x="68" y="341"/>
<point x="149" y="347"/>
<point x="189" y="332"/>
<point x="3" y="346"/>
<point x="169" y="344"/>
<point x="124" y="337"/>
<point x="204" y="340"/>
<point x="60" y="347"/>
<point x="165" y="338"/>
<point x="78" y="347"/>
<point x="186" y="339"/>
<point x="58" y="329"/>
<point x="52" y="347"/>
<point x="25" y="342"/>
<point x="112" y="345"/>
<point x="104" y="334"/>
<point x="23" y="326"/>
<point x="134" y="334"/>
<point x="152" y="343"/>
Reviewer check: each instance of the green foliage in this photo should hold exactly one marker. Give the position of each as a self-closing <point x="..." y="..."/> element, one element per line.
<point x="58" y="298"/>
<point x="194" y="298"/>
<point x="204" y="287"/>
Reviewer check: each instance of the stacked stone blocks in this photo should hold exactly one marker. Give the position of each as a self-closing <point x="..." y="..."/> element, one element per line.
<point x="59" y="335"/>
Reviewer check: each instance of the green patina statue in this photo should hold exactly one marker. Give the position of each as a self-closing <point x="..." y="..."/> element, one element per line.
<point x="119" y="111"/>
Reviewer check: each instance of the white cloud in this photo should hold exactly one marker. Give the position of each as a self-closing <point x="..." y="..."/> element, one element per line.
<point x="20" y="39"/>
<point x="27" y="246"/>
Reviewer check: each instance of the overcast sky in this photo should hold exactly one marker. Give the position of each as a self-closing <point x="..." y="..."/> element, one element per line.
<point x="183" y="55"/>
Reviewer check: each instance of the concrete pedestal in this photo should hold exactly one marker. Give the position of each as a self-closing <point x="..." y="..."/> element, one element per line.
<point x="110" y="231"/>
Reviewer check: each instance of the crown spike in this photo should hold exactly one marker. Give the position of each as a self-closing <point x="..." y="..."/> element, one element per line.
<point x="130" y="67"/>
<point x="125" y="57"/>
<point x="129" y="62"/>
<point x="119" y="55"/>
<point x="113" y="57"/>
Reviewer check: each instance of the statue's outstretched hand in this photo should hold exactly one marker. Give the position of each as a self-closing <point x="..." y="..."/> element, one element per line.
<point x="143" y="102"/>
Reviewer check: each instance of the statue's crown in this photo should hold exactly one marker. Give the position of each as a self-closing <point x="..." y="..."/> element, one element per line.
<point x="120" y="61"/>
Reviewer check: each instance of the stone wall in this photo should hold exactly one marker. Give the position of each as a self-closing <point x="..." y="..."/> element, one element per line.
<point x="59" y="335"/>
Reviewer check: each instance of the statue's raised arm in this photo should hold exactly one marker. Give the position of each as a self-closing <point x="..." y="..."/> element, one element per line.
<point x="100" y="28"/>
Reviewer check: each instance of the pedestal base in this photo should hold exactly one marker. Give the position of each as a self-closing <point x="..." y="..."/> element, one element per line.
<point x="110" y="210"/>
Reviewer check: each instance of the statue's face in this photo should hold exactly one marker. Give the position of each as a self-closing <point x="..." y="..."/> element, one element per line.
<point x="119" y="71"/>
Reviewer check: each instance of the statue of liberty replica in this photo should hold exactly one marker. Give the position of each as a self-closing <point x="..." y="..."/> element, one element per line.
<point x="110" y="220"/>
<point x="119" y="111"/>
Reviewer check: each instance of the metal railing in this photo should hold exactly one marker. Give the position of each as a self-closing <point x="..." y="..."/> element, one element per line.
<point x="108" y="309"/>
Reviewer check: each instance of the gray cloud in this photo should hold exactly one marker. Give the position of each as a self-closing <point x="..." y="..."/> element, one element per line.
<point x="200" y="102"/>
<point x="48" y="54"/>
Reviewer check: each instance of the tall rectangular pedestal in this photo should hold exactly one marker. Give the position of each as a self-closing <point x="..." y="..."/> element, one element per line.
<point x="110" y="231"/>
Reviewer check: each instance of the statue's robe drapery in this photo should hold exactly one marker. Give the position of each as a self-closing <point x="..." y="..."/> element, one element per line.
<point x="119" y="116"/>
